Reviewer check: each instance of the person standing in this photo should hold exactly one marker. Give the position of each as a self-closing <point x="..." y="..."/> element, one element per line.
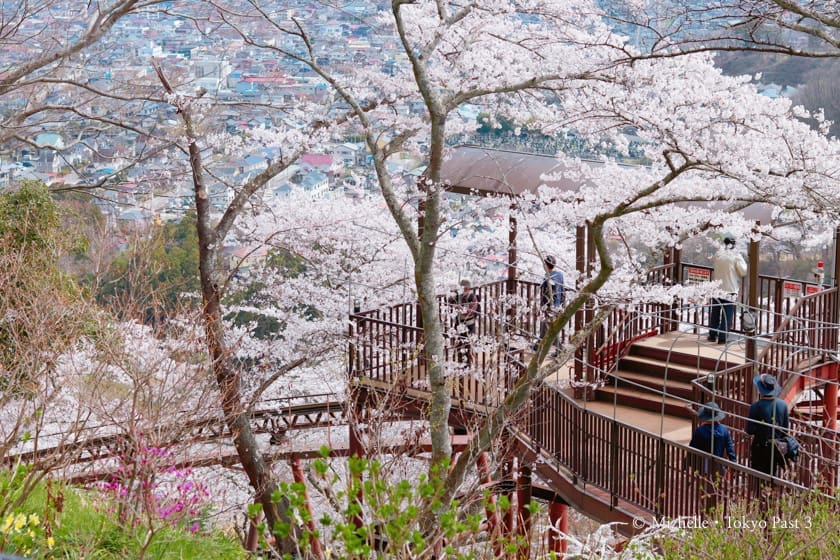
<point x="467" y="303"/>
<point x="768" y="420"/>
<point x="729" y="269"/>
<point x="712" y="437"/>
<point x="552" y="295"/>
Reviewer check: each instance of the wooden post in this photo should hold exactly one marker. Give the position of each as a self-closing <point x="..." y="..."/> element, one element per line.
<point x="672" y="257"/>
<point x="830" y="398"/>
<point x="752" y="297"/>
<point x="829" y="445"/>
<point x="836" y="317"/>
<point x="837" y="256"/>
<point x="677" y="260"/>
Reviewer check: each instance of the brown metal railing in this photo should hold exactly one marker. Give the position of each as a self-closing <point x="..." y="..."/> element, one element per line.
<point x="818" y="455"/>
<point x="804" y="336"/>
<point x="632" y="466"/>
<point x="806" y="333"/>
<point x="776" y="296"/>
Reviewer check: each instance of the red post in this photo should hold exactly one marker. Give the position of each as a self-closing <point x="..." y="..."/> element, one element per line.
<point x="253" y="533"/>
<point x="523" y="501"/>
<point x="512" y="232"/>
<point x="830" y="414"/>
<point x="558" y="514"/>
<point x="507" y="518"/>
<point x="580" y="316"/>
<point x="829" y="444"/>
<point x="752" y="292"/>
<point x="297" y="473"/>
<point x="492" y="510"/>
<point x="356" y="449"/>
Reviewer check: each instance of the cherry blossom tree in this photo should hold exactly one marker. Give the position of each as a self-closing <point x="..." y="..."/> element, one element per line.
<point x="708" y="139"/>
<point x="798" y="28"/>
<point x="711" y="146"/>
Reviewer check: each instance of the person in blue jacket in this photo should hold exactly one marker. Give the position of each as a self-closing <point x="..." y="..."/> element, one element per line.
<point x="768" y="420"/>
<point x="712" y="437"/>
<point x="552" y="295"/>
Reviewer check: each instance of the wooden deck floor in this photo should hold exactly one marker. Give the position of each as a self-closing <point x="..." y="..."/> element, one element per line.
<point x="696" y="344"/>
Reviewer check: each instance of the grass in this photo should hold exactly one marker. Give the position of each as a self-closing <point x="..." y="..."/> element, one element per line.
<point x="73" y="524"/>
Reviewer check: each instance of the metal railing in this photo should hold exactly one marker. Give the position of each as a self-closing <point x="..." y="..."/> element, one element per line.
<point x="632" y="466"/>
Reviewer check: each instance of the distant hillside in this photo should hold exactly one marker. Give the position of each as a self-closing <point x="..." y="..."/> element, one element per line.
<point x="782" y="70"/>
<point x="816" y="80"/>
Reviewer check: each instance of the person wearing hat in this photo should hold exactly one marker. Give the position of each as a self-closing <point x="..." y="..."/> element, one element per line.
<point x="768" y="420"/>
<point x="552" y="295"/>
<point x="466" y="307"/>
<point x="712" y="437"/>
<point x="729" y="268"/>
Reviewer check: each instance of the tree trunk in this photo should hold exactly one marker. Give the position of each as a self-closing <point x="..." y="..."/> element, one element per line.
<point x="234" y="408"/>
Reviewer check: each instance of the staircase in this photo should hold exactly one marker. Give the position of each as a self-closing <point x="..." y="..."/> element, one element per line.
<point x="657" y="372"/>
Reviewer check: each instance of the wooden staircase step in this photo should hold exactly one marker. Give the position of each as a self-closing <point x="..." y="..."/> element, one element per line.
<point x="660" y="369"/>
<point x="689" y="351"/>
<point x="633" y="379"/>
<point x="644" y="400"/>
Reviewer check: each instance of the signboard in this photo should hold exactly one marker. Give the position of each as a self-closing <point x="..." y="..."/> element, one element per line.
<point x="694" y="275"/>
<point x="811" y="289"/>
<point x="791" y="289"/>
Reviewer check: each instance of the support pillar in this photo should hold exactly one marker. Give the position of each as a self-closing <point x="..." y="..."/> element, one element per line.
<point x="558" y="515"/>
<point x="752" y="295"/>
<point x="253" y="538"/>
<point x="591" y="374"/>
<point x="835" y="318"/>
<point x="297" y="474"/>
<point x="510" y="325"/>
<point x="511" y="268"/>
<point x="837" y="256"/>
<point x="357" y="449"/>
<point x="523" y="503"/>
<point x="580" y="266"/>
<point x="492" y="510"/>
<point x="674" y="277"/>
<point x="830" y="413"/>
<point x="830" y="422"/>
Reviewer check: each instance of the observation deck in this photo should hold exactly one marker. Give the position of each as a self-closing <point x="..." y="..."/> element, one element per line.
<point x="607" y="432"/>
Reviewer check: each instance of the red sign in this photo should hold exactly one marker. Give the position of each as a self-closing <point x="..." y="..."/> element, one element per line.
<point x="791" y="289"/>
<point x="694" y="274"/>
<point x="811" y="289"/>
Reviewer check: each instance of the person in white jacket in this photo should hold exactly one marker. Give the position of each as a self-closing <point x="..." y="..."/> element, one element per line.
<point x="729" y="269"/>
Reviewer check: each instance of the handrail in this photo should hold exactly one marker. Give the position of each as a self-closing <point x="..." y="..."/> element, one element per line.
<point x="801" y="335"/>
<point x="91" y="438"/>
<point x="631" y="465"/>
